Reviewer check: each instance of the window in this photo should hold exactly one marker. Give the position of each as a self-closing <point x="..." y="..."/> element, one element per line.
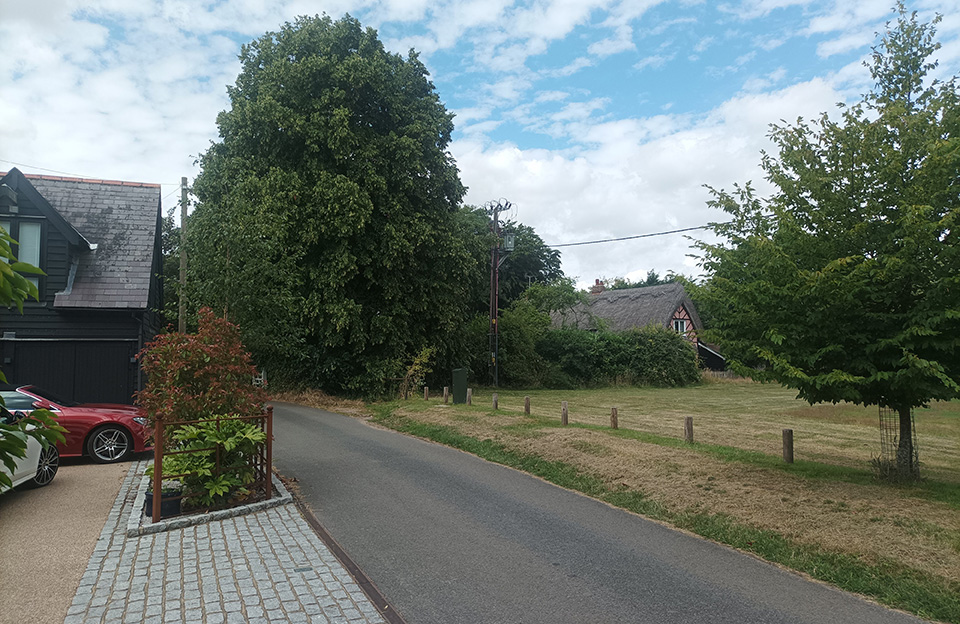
<point x="680" y="326"/>
<point x="15" y="401"/>
<point x="27" y="233"/>
<point x="29" y="250"/>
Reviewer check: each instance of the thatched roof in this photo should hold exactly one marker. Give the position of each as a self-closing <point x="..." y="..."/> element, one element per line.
<point x="630" y="308"/>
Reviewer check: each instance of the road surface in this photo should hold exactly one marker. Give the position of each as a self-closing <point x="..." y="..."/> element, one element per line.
<point x="450" y="538"/>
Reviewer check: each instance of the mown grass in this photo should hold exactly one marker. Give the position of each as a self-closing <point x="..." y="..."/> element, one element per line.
<point x="743" y="421"/>
<point x="886" y="581"/>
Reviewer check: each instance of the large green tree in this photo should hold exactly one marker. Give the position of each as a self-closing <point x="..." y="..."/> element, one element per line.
<point x="844" y="283"/>
<point x="325" y="226"/>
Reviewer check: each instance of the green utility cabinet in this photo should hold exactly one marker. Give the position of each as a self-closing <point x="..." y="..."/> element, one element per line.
<point x="459" y="385"/>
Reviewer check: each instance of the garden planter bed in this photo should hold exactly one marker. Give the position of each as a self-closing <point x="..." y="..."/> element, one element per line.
<point x="140" y="523"/>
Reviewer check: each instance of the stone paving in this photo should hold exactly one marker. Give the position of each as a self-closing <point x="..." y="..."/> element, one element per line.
<point x="267" y="566"/>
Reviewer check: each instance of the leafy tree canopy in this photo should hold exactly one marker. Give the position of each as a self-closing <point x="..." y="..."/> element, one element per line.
<point x="325" y="226"/>
<point x="844" y="283"/>
<point x="653" y="279"/>
<point x="531" y="262"/>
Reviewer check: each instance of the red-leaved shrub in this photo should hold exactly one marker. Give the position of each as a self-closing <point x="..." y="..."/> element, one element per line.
<point x="193" y="376"/>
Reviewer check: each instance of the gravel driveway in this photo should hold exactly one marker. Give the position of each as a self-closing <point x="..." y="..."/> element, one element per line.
<point x="47" y="536"/>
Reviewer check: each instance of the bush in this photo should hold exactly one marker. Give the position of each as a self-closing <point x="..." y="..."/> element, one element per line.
<point x="650" y="356"/>
<point x="193" y="376"/>
<point x="201" y="376"/>
<point x="226" y="445"/>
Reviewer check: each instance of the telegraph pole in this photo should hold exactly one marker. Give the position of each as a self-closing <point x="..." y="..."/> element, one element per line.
<point x="182" y="317"/>
<point x="494" y="209"/>
<point x="495" y="291"/>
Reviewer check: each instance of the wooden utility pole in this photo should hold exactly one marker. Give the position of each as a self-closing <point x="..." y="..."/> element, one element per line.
<point x="182" y="316"/>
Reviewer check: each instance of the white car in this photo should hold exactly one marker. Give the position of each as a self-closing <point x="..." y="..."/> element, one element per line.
<point x="40" y="465"/>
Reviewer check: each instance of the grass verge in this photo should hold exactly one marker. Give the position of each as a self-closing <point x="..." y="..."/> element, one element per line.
<point x="887" y="582"/>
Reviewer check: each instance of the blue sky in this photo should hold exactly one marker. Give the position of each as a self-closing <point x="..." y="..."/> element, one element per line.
<point x="596" y="118"/>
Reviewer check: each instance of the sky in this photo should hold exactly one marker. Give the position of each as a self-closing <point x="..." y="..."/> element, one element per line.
<point x="596" y="119"/>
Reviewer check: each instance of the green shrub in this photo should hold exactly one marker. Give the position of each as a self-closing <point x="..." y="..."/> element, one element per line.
<point x="652" y="356"/>
<point x="229" y="443"/>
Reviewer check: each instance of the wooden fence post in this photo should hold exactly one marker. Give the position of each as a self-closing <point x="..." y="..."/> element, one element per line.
<point x="613" y="418"/>
<point x="446" y="393"/>
<point x="564" y="414"/>
<point x="426" y="393"/>
<point x="688" y="429"/>
<point x="469" y="396"/>
<point x="526" y="405"/>
<point x="496" y="401"/>
<point x="788" y="445"/>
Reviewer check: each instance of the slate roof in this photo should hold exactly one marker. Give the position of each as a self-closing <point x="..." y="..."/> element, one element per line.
<point x="120" y="219"/>
<point x="631" y="308"/>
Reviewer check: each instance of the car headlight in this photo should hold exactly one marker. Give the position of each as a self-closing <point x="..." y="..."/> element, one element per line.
<point x="140" y="420"/>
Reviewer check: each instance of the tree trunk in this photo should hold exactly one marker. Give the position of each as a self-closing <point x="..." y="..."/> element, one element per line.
<point x="906" y="455"/>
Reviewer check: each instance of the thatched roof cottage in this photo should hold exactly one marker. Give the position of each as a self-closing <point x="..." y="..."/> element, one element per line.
<point x="666" y="305"/>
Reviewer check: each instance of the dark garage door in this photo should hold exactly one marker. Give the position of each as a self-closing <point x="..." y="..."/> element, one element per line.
<point x="85" y="371"/>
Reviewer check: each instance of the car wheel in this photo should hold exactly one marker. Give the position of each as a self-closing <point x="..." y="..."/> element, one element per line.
<point x="109" y="444"/>
<point x="47" y="467"/>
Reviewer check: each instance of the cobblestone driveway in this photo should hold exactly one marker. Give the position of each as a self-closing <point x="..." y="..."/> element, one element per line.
<point x="268" y="566"/>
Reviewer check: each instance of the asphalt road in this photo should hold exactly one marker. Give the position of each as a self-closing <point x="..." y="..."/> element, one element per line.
<point x="450" y="538"/>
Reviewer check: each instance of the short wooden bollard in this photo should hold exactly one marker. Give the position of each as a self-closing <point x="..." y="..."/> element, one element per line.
<point x="426" y="393"/>
<point x="613" y="418"/>
<point x="788" y="445"/>
<point x="688" y="429"/>
<point x="446" y="393"/>
<point x="563" y="413"/>
<point x="526" y="405"/>
<point x="469" y="396"/>
<point x="496" y="401"/>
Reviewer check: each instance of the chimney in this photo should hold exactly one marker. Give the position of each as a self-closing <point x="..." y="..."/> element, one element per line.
<point x="597" y="288"/>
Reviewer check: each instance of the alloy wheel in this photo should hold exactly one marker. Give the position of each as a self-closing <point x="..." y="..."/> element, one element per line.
<point x="110" y="444"/>
<point x="47" y="466"/>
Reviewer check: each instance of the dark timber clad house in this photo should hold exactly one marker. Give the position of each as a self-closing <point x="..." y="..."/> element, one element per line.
<point x="666" y="305"/>
<point x="99" y="243"/>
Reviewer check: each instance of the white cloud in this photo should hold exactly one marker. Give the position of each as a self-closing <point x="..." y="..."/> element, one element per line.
<point x="763" y="83"/>
<point x="551" y="96"/>
<point x="753" y="9"/>
<point x="653" y="62"/>
<point x="569" y="69"/>
<point x="636" y="176"/>
<point x="622" y="42"/>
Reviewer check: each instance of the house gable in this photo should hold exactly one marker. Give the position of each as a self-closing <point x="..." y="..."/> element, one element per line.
<point x="30" y="201"/>
<point x="100" y="249"/>
<point x="631" y="308"/>
<point x="112" y="229"/>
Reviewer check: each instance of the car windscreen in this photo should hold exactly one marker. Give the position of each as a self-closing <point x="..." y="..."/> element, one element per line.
<point x="53" y="398"/>
<point x="14" y="400"/>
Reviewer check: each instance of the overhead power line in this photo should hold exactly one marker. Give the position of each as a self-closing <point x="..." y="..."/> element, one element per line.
<point x="623" y="238"/>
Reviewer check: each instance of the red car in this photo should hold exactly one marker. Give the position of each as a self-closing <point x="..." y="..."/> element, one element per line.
<point x="105" y="432"/>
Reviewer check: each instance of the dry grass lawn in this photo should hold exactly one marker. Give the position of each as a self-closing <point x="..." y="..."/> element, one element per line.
<point x="871" y="520"/>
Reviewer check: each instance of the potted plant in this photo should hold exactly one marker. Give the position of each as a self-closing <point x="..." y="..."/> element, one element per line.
<point x="170" y="493"/>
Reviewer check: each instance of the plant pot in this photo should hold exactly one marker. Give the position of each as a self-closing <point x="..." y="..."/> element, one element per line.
<point x="169" y="504"/>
